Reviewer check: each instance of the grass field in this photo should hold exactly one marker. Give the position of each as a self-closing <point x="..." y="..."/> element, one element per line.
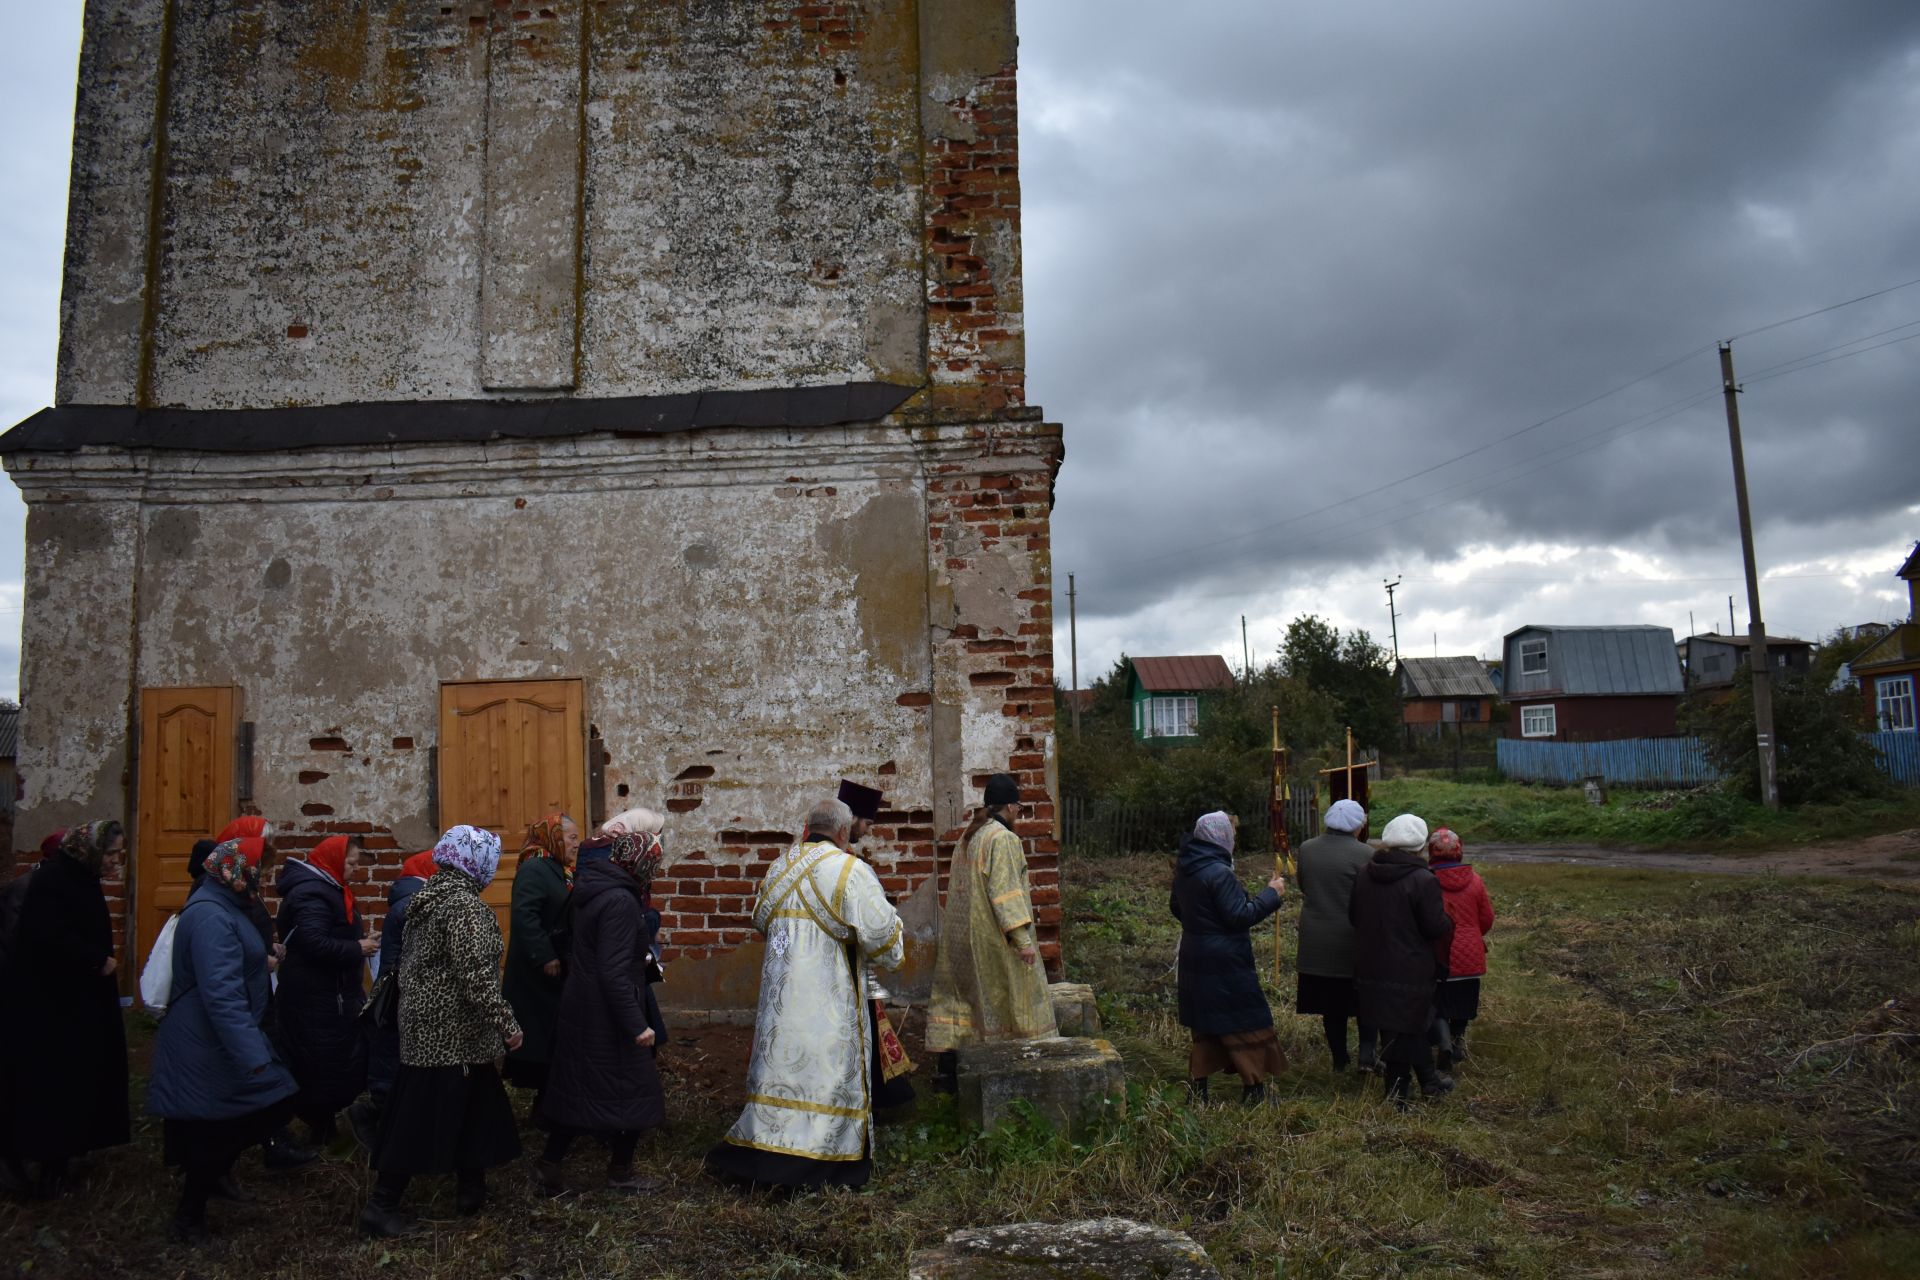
<point x="1672" y="1076"/>
<point x="1705" y="819"/>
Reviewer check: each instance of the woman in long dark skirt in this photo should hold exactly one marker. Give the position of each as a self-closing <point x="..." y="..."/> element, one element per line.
<point x="603" y="1079"/>
<point x="323" y="982"/>
<point x="60" y="1011"/>
<point x="217" y="1081"/>
<point x="1399" y="920"/>
<point x="1221" y="1002"/>
<point x="541" y="886"/>
<point x="448" y="1112"/>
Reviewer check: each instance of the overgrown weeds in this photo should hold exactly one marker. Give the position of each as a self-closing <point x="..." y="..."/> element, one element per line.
<point x="1670" y="1077"/>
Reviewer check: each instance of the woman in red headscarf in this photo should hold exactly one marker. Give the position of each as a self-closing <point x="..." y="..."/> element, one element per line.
<point x="322" y="981"/>
<point x="532" y="983"/>
<point x="383" y="1043"/>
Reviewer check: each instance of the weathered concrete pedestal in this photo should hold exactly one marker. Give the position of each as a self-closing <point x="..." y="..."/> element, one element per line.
<point x="1072" y="1083"/>
<point x="1099" y="1249"/>
<point x="1074" y="1009"/>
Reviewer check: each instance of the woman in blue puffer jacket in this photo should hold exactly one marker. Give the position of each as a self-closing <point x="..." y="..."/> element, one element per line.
<point x="216" y="1080"/>
<point x="1221" y="1002"/>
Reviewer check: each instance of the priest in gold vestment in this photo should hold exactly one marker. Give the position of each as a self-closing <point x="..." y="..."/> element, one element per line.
<point x="809" y="1114"/>
<point x="988" y="982"/>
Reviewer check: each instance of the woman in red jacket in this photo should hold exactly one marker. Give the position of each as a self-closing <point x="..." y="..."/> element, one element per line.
<point x="1465" y="897"/>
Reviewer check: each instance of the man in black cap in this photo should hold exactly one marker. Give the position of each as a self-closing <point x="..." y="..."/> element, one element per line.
<point x="865" y="804"/>
<point x="988" y="982"/>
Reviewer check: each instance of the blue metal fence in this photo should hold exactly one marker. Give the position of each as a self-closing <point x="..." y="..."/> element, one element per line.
<point x="1663" y="762"/>
<point x="1631" y="762"/>
<point x="1899" y="756"/>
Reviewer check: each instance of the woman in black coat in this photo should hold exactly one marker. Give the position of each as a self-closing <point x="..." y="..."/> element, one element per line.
<point x="542" y="885"/>
<point x="322" y="982"/>
<point x="1221" y="1002"/>
<point x="602" y="1079"/>
<point x="1401" y="927"/>
<point x="63" y="1054"/>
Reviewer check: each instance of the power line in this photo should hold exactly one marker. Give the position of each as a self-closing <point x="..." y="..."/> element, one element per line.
<point x="1781" y="373"/>
<point x="1820" y="311"/>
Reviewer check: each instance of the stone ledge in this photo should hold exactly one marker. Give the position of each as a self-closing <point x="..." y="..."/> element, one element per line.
<point x="1072" y="1083"/>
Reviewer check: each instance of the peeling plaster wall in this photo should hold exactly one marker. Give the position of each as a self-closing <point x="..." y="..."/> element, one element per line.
<point x="341" y="201"/>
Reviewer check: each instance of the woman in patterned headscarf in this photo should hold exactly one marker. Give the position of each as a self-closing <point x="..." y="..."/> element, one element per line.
<point x="60" y="1011"/>
<point x="1221" y="1002"/>
<point x="217" y="1081"/>
<point x="448" y="1111"/>
<point x="536" y="946"/>
<point x="603" y="1078"/>
<point x="323" y="981"/>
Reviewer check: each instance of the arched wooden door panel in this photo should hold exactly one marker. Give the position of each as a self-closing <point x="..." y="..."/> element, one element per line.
<point x="185" y="795"/>
<point x="510" y="751"/>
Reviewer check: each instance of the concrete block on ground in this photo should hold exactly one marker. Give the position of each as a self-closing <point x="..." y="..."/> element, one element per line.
<point x="1071" y="1083"/>
<point x="1096" y="1249"/>
<point x="1074" y="1009"/>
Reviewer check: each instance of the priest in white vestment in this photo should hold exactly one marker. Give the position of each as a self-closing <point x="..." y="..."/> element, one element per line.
<point x="809" y="1114"/>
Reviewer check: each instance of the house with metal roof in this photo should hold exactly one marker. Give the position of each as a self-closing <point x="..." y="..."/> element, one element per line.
<point x="1168" y="694"/>
<point x="1710" y="660"/>
<point x="1592" y="684"/>
<point x="1890" y="668"/>
<point x="1436" y="693"/>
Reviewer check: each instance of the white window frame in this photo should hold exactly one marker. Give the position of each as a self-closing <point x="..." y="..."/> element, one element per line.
<point x="1534" y="677"/>
<point x="1175" y="716"/>
<point x="1893" y="703"/>
<point x="1539" y="721"/>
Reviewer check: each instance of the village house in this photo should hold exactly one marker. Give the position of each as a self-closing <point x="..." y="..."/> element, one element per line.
<point x="1889" y="669"/>
<point x="1592" y="684"/>
<point x="1440" y="696"/>
<point x="465" y="411"/>
<point x="1168" y="695"/>
<point x="1711" y="660"/>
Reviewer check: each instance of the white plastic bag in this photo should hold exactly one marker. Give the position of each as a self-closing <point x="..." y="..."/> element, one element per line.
<point x="156" y="980"/>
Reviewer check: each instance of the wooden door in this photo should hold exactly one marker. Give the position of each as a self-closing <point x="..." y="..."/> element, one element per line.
<point x="185" y="794"/>
<point x="510" y="751"/>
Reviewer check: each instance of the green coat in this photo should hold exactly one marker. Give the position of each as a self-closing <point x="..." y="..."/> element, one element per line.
<point x="1328" y="866"/>
<point x="539" y="908"/>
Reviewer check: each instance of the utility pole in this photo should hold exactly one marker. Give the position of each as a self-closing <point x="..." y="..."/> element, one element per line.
<point x="1073" y="656"/>
<point x="1393" y="618"/>
<point x="1733" y="628"/>
<point x="1246" y="654"/>
<point x="1756" y="629"/>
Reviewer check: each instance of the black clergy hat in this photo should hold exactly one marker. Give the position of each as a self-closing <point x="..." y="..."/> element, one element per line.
<point x="1002" y="789"/>
<point x="864" y="801"/>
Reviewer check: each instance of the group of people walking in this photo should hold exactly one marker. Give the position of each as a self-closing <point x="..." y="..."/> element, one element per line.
<point x="1391" y="939"/>
<point x="267" y="1018"/>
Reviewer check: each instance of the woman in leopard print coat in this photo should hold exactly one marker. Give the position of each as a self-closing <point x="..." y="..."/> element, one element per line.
<point x="448" y="1111"/>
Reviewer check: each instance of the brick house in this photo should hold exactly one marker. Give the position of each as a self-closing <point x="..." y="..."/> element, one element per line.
<point x="1889" y="671"/>
<point x="465" y="411"/>
<point x="1168" y="695"/>
<point x="1592" y="684"/>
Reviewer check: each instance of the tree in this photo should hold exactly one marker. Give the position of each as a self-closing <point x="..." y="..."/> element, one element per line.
<point x="1821" y="755"/>
<point x="1352" y="669"/>
<point x="1833" y="652"/>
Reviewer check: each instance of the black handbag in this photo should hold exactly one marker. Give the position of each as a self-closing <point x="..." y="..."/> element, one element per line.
<point x="382" y="1009"/>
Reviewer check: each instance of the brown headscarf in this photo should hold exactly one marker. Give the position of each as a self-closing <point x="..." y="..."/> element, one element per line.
<point x="547" y="838"/>
<point x="87" y="843"/>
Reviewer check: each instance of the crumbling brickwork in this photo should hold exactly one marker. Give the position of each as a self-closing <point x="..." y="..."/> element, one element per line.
<point x="320" y="253"/>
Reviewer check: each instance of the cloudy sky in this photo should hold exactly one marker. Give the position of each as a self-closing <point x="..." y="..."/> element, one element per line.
<point x="1330" y="293"/>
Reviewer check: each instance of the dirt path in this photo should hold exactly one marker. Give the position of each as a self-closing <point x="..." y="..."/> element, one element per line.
<point x="1896" y="855"/>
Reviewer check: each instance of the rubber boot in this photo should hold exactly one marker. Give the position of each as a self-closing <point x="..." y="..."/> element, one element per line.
<point x="1197" y="1091"/>
<point x="946" y="1072"/>
<point x="1434" y="1084"/>
<point x="550" y="1178"/>
<point x="281" y="1152"/>
<point x="470" y="1193"/>
<point x="1252" y="1095"/>
<point x="1399" y="1085"/>
<point x="382" y="1217"/>
<point x="622" y="1180"/>
<point x="225" y="1188"/>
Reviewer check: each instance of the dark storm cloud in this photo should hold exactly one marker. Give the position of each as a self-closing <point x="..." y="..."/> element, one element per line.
<point x="1279" y="255"/>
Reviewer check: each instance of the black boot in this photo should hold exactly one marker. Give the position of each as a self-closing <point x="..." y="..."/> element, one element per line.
<point x="225" y="1188"/>
<point x="1252" y="1095"/>
<point x="470" y="1193"/>
<point x="382" y="1217"/>
<point x="1434" y="1085"/>
<point x="363" y="1117"/>
<point x="1197" y="1091"/>
<point x="1399" y="1084"/>
<point x="281" y="1152"/>
<point x="946" y="1072"/>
